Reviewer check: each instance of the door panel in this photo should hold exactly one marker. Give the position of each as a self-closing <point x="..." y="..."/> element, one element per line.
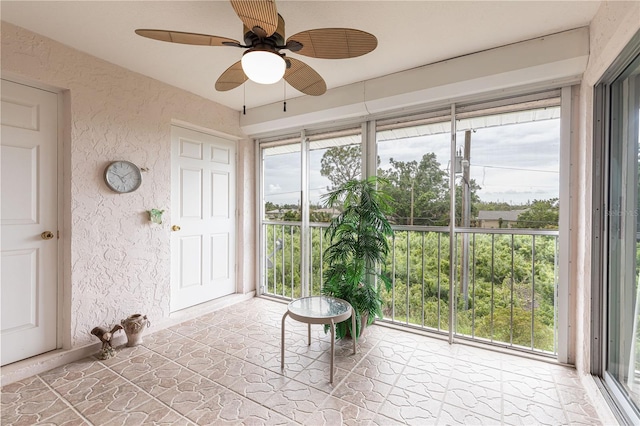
<point x="191" y="194"/>
<point x="220" y="258"/>
<point x="21" y="168"/>
<point x="191" y="261"/>
<point x="29" y="208"/>
<point x="219" y="155"/>
<point x="20" y="281"/>
<point x="203" y="193"/>
<point x="189" y="149"/>
<point x="220" y="195"/>
<point x="20" y="113"/>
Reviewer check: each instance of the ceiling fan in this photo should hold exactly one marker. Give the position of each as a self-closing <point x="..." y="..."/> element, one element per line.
<point x="264" y="37"/>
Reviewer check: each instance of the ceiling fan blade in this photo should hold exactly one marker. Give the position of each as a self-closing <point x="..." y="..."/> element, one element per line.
<point x="187" y="38"/>
<point x="304" y="78"/>
<point x="231" y="78"/>
<point x="257" y="13"/>
<point x="334" y="43"/>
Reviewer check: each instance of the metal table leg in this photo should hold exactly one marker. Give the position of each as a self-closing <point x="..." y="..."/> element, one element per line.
<point x="333" y="339"/>
<point x="282" y="342"/>
<point x="353" y="327"/>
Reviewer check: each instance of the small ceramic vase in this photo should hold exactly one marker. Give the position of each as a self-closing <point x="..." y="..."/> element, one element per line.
<point x="134" y="326"/>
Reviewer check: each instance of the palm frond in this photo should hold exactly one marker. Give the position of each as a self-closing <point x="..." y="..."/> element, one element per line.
<point x="358" y="249"/>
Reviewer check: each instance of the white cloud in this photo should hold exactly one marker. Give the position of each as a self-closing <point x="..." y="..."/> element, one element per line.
<point x="274" y="188"/>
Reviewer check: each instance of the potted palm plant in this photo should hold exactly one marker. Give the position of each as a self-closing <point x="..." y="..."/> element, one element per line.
<point x="358" y="249"/>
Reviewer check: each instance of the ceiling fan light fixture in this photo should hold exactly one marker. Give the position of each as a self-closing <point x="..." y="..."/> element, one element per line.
<point x="263" y="66"/>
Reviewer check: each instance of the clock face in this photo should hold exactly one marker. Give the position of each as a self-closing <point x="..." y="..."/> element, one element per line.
<point x="122" y="176"/>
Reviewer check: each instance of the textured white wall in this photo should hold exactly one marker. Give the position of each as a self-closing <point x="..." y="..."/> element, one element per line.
<point x="117" y="263"/>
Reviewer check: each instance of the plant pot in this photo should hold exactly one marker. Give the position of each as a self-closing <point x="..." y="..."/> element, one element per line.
<point x="134" y="326"/>
<point x="363" y="325"/>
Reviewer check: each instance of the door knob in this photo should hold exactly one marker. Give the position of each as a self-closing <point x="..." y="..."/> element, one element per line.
<point x="47" y="235"/>
<point x="175" y="228"/>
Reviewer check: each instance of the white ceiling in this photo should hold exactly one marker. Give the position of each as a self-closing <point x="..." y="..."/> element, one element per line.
<point x="410" y="34"/>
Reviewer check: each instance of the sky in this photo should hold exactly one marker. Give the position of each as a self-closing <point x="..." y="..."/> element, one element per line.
<point x="515" y="163"/>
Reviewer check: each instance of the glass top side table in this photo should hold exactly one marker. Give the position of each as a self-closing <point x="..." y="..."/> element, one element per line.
<point x="319" y="310"/>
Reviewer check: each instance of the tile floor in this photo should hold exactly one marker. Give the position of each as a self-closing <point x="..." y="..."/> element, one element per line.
<point x="224" y="368"/>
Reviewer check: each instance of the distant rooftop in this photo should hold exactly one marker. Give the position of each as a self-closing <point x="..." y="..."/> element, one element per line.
<point x="332" y="210"/>
<point x="509" y="215"/>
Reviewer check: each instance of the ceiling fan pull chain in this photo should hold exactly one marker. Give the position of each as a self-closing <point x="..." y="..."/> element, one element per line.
<point x="284" y="86"/>
<point x="244" y="99"/>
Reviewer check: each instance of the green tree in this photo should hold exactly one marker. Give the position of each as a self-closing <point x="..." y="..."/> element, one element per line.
<point x="319" y="216"/>
<point x="475" y="200"/>
<point x="341" y="164"/>
<point x="540" y="214"/>
<point x="292" y="216"/>
<point x="420" y="190"/>
<point x="268" y="206"/>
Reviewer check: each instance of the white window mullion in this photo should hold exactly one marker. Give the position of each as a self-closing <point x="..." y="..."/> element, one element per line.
<point x="452" y="224"/>
<point x="564" y="340"/>
<point x="369" y="149"/>
<point x="304" y="212"/>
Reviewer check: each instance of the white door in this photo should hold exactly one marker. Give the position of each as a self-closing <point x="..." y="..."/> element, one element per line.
<point x="203" y="179"/>
<point x="29" y="209"/>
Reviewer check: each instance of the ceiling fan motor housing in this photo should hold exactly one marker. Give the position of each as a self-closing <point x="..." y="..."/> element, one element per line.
<point x="252" y="36"/>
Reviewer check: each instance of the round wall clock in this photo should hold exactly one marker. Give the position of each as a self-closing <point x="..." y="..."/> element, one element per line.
<point x="122" y="176"/>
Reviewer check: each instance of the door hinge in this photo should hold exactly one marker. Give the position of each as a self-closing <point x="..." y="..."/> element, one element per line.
<point x="58" y="232"/>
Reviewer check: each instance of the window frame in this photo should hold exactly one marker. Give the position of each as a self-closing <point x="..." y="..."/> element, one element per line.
<point x="516" y="100"/>
<point x="604" y="109"/>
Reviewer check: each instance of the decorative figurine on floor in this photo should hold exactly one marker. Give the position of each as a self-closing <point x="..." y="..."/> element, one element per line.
<point x="105" y="336"/>
<point x="134" y="326"/>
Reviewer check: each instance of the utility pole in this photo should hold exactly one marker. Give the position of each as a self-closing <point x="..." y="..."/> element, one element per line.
<point x="411" y="218"/>
<point x="466" y="217"/>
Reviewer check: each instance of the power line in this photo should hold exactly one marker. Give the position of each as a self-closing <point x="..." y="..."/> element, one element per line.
<point x="515" y="168"/>
<point x="518" y="186"/>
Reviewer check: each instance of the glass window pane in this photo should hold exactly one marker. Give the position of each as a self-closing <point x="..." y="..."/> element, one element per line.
<point x="414" y="159"/>
<point x="623" y="317"/>
<point x="415" y="162"/>
<point x="281" y="168"/>
<point x="507" y="170"/>
<point x="507" y="176"/>
<point x="332" y="161"/>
